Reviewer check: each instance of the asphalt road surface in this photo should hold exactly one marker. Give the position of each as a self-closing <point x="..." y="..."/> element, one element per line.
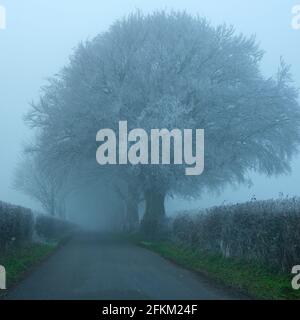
<point x="98" y="268"/>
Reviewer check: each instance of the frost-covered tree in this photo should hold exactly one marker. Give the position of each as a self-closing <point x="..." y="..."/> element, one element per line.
<point x="124" y="185"/>
<point x="49" y="190"/>
<point x="172" y="70"/>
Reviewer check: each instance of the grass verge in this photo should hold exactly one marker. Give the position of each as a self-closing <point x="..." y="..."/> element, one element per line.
<point x="20" y="260"/>
<point x="253" y="279"/>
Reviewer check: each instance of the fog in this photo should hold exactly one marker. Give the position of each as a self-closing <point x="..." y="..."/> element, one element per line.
<point x="40" y="36"/>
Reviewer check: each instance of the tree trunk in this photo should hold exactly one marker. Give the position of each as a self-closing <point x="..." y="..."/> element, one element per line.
<point x="153" y="222"/>
<point x="132" y="215"/>
<point x="52" y="203"/>
<point x="61" y="210"/>
<point x="52" y="207"/>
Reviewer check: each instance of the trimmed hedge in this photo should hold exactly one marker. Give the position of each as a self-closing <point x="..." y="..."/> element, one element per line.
<point x="265" y="231"/>
<point x="16" y="225"/>
<point x="51" y="228"/>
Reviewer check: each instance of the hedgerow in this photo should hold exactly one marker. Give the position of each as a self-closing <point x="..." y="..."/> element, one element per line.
<point x="51" y="228"/>
<point x="16" y="225"/>
<point x="263" y="231"/>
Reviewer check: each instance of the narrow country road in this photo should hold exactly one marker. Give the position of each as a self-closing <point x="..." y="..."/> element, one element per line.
<point x="95" y="267"/>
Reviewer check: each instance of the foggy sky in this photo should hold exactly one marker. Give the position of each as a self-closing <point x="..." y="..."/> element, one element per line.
<point x="40" y="36"/>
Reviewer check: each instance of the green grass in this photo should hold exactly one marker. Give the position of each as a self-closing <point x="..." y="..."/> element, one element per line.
<point x="253" y="279"/>
<point x="20" y="260"/>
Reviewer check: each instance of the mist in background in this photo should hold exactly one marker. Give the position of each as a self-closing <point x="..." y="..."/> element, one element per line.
<point x="40" y="36"/>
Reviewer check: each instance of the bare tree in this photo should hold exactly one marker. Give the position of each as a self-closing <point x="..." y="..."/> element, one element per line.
<point x="41" y="186"/>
